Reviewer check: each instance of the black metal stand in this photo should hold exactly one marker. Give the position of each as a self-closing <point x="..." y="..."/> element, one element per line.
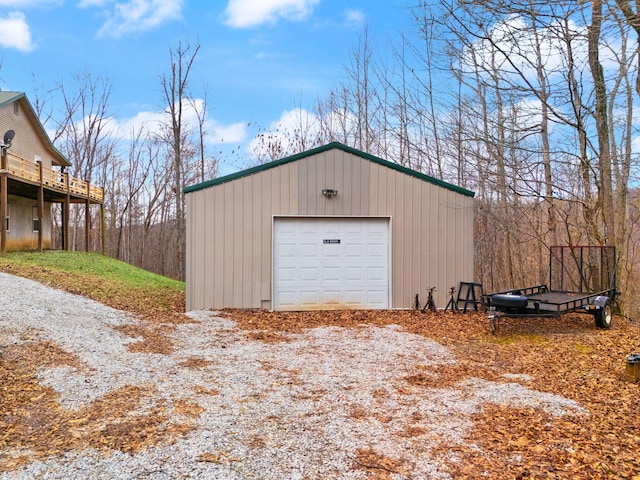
<point x="416" y="302"/>
<point x="430" y="305"/>
<point x="470" y="298"/>
<point x="453" y="302"/>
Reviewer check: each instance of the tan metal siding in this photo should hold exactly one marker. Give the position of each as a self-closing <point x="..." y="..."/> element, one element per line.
<point x="432" y="244"/>
<point x="337" y="170"/>
<point x="230" y="238"/>
<point x="214" y="229"/>
<point x="230" y="228"/>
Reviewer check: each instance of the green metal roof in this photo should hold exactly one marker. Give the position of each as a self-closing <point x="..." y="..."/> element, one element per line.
<point x="324" y="148"/>
<point x="7" y="98"/>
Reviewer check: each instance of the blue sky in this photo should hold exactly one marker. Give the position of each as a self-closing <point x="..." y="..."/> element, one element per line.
<point x="258" y="58"/>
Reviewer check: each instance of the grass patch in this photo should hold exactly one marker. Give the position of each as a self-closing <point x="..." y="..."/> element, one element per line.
<point x="518" y="338"/>
<point x="582" y="349"/>
<point x="101" y="278"/>
<point x="82" y="263"/>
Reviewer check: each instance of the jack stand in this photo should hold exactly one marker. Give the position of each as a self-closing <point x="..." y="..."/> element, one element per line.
<point x="494" y="317"/>
<point x="430" y="305"/>
<point x="453" y="303"/>
<point x="416" y="302"/>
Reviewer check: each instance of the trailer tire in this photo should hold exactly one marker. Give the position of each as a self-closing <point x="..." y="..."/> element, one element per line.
<point x="603" y="314"/>
<point x="509" y="300"/>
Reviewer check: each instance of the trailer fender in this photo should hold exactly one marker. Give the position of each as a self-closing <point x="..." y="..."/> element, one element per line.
<point x="600" y="301"/>
<point x="601" y="308"/>
<point x="509" y="300"/>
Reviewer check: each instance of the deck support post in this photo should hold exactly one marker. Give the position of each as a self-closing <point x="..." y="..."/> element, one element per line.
<point x="65" y="216"/>
<point x="40" y="207"/>
<point x="4" y="198"/>
<point x="87" y="218"/>
<point x="3" y="213"/>
<point x="102" y="239"/>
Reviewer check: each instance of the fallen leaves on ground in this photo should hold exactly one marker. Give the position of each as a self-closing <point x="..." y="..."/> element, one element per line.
<point x="379" y="467"/>
<point x="567" y="356"/>
<point x="34" y="426"/>
<point x="154" y="339"/>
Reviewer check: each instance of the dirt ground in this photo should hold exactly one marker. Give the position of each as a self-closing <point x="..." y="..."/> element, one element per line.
<point x="568" y="356"/>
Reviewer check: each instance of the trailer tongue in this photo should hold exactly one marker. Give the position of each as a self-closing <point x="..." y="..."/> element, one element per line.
<point x="581" y="278"/>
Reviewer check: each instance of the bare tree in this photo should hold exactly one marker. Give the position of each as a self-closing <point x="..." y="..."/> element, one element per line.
<point x="602" y="123"/>
<point x="175" y="89"/>
<point x="133" y="179"/>
<point x="633" y="18"/>
<point x="84" y="135"/>
<point x="208" y="166"/>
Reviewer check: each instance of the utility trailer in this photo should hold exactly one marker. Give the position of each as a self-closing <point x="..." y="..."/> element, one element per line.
<point x="581" y="278"/>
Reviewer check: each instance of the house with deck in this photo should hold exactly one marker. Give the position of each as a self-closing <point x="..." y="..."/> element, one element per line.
<point x="33" y="178"/>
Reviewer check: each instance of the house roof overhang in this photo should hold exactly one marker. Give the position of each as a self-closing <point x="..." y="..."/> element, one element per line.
<point x="7" y="98"/>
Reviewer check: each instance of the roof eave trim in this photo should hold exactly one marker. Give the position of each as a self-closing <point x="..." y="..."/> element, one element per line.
<point x="21" y="96"/>
<point x="321" y="149"/>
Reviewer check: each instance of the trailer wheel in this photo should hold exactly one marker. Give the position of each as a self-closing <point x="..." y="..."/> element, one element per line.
<point x="604" y="314"/>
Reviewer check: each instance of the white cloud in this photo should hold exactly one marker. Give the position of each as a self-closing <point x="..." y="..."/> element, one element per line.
<point x="286" y="135"/>
<point x="29" y="3"/>
<point x="152" y="122"/>
<point x="250" y="13"/>
<point x="15" y="32"/>
<point x="136" y="15"/>
<point x="512" y="37"/>
<point x="234" y="133"/>
<point x="93" y="3"/>
<point x="142" y="121"/>
<point x="354" y="17"/>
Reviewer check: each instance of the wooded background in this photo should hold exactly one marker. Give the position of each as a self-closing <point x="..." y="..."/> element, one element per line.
<point x="532" y="105"/>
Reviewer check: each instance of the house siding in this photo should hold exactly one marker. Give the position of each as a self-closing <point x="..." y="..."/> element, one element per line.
<point x="21" y="235"/>
<point x="229" y="227"/>
<point x="26" y="144"/>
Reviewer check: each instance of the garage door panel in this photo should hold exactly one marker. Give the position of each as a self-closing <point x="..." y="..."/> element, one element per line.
<point x="288" y="274"/>
<point x="309" y="274"/>
<point x="332" y="297"/>
<point x="309" y="297"/>
<point x="357" y="250"/>
<point x="376" y="274"/>
<point x="331" y="273"/>
<point x="376" y="250"/>
<point x="309" y="250"/>
<point x="288" y="299"/>
<point x="331" y="263"/>
<point x="377" y="299"/>
<point x="355" y="273"/>
<point x="284" y="250"/>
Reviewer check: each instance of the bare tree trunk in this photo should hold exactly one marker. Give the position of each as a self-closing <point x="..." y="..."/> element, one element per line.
<point x="633" y="19"/>
<point x="549" y="195"/>
<point x="175" y="90"/>
<point x="605" y="192"/>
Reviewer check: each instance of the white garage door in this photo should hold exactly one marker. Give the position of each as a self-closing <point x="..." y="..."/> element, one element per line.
<point x="330" y="263"/>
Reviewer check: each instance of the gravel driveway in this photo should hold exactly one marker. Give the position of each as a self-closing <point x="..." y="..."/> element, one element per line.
<point x="329" y="403"/>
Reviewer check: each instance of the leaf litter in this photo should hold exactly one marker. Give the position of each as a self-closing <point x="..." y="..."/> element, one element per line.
<point x="361" y="394"/>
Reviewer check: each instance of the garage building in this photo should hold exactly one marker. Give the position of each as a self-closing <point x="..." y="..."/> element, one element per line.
<point x="329" y="228"/>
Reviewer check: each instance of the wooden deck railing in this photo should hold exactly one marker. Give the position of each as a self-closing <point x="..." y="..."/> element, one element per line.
<point x="30" y="171"/>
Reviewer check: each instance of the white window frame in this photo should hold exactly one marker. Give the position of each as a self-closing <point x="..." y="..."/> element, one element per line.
<point x="35" y="219"/>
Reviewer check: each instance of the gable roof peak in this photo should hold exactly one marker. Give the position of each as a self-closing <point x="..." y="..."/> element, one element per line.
<point x="7" y="98"/>
<point x="321" y="149"/>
